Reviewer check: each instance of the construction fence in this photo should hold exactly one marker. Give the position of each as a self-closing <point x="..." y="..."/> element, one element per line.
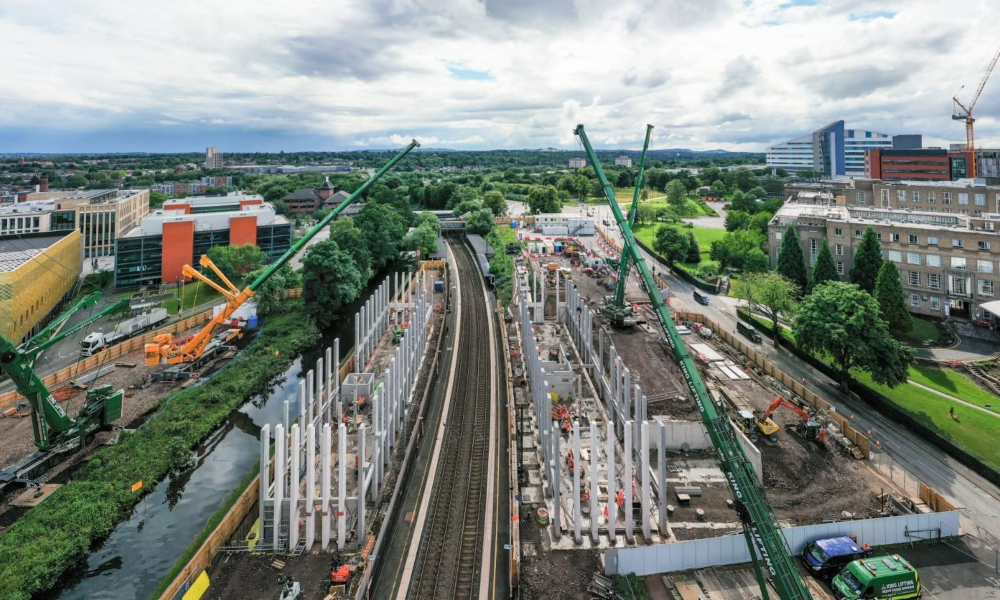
<point x="732" y="549"/>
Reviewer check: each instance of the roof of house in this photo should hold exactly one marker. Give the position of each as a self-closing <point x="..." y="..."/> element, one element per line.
<point x="301" y="194"/>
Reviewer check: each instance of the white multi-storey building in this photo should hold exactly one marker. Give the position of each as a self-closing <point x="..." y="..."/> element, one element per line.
<point x="832" y="150"/>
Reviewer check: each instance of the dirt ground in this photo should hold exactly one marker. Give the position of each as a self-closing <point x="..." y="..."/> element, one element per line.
<point x="552" y="575"/>
<point x="655" y="371"/>
<point x="250" y="576"/>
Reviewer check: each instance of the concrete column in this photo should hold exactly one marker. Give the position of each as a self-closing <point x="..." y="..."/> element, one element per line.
<point x="265" y="475"/>
<point x="662" y="472"/>
<point x="577" y="466"/>
<point x="310" y="486"/>
<point x="280" y="444"/>
<point x="319" y="395"/>
<point x="357" y="342"/>
<point x="310" y="398"/>
<point x="328" y="375"/>
<point x="644" y="453"/>
<point x="554" y="476"/>
<point x="612" y="484"/>
<point x="626" y="390"/>
<point x="362" y="431"/>
<point x="303" y="400"/>
<point x="627" y="480"/>
<point x="326" y="446"/>
<point x="337" y="413"/>
<point x="293" y="490"/>
<point x="637" y="424"/>
<point x="594" y="451"/>
<point x="341" y="486"/>
<point x="600" y="352"/>
<point x="285" y="421"/>
<point x="377" y="429"/>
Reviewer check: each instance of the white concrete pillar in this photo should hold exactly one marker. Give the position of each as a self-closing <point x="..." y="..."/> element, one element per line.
<point x="310" y="517"/>
<point x="319" y="395"/>
<point x="357" y="342"/>
<point x="264" y="493"/>
<point x="293" y="490"/>
<point x="341" y="486"/>
<point x="326" y="447"/>
<point x="627" y="481"/>
<point x="285" y="422"/>
<point x="577" y="466"/>
<point x="377" y="430"/>
<point x="662" y="472"/>
<point x="310" y="398"/>
<point x="594" y="451"/>
<point x="280" y="443"/>
<point x="644" y="453"/>
<point x="637" y="424"/>
<point x="303" y="402"/>
<point x="328" y="375"/>
<point x="554" y="477"/>
<point x="612" y="484"/>
<point x="337" y="411"/>
<point x="362" y="488"/>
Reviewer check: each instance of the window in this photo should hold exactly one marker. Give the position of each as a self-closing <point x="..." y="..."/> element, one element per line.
<point x="777" y="236"/>
<point x="900" y="195"/>
<point x="931" y="197"/>
<point x="913" y="258"/>
<point x="984" y="245"/>
<point x="985" y="287"/>
<point x="946" y="197"/>
<point x="878" y="236"/>
<point x="957" y="243"/>
<point x="984" y="266"/>
<point x="913" y="239"/>
<point x="895" y="256"/>
<point x="813" y="249"/>
<point x="957" y="262"/>
<point x="859" y="233"/>
<point x="838" y="232"/>
<point x="934" y="280"/>
<point x="933" y="260"/>
<point x="958" y="285"/>
<point x="932" y="240"/>
<point x="916" y="196"/>
<point x="963" y="198"/>
<point x="839" y="249"/>
<point x="980" y="199"/>
<point x="885" y="197"/>
<point x="913" y="278"/>
<point x="840" y="268"/>
<point x="893" y="237"/>
<point x="863" y="198"/>
<point x="935" y="303"/>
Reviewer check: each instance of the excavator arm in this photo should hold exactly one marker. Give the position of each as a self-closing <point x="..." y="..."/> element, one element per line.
<point x="779" y="402"/>
<point x="760" y="526"/>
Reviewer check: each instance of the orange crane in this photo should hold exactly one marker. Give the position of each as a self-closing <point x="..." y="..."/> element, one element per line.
<point x="808" y="428"/>
<point x="962" y="112"/>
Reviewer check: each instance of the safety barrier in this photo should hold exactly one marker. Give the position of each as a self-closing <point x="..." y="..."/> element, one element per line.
<point x="513" y="457"/>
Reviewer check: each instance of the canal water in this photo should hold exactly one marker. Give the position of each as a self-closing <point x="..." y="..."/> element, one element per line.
<point x="140" y="552"/>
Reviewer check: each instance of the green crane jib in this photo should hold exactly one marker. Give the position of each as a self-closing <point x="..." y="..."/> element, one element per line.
<point x="615" y="309"/>
<point x="760" y="526"/>
<point x="54" y="430"/>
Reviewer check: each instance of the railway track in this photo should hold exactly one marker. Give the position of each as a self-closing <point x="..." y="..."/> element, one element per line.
<point x="452" y="544"/>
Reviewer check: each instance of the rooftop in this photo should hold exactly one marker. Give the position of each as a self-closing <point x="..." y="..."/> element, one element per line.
<point x="234" y="198"/>
<point x="794" y="212"/>
<point x="153" y="223"/>
<point x="17" y="250"/>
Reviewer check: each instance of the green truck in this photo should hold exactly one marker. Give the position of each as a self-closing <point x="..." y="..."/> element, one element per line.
<point x="878" y="578"/>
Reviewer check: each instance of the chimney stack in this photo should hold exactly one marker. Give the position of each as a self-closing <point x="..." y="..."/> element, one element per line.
<point x="43" y="183"/>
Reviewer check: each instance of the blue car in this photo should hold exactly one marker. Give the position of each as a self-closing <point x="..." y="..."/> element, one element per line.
<point x="825" y="558"/>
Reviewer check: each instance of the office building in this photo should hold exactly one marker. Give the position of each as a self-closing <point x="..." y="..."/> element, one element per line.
<point x="217" y="181"/>
<point x="195" y="205"/>
<point x="623" y="161"/>
<point x="834" y="150"/>
<point x="931" y="164"/>
<point x="100" y="215"/>
<point x="157" y="249"/>
<point x="947" y="253"/>
<point x="213" y="158"/>
<point x="37" y="272"/>
<point x="577" y="163"/>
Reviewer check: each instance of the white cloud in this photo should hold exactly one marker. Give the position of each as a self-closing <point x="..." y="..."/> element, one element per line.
<point x="716" y="73"/>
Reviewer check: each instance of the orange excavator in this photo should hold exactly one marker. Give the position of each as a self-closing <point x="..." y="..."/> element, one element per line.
<point x="806" y="427"/>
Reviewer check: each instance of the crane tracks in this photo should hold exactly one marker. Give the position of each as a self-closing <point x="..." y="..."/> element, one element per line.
<point x="451" y="547"/>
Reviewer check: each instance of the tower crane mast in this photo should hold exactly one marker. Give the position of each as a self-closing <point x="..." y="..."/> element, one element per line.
<point x="963" y="112"/>
<point x="760" y="526"/>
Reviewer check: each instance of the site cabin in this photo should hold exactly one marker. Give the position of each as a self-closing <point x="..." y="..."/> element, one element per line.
<point x="881" y="577"/>
<point x="826" y="557"/>
<point x="748" y="332"/>
<point x="701" y="297"/>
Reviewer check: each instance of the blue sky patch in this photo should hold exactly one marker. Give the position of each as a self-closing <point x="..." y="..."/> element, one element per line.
<point x="469" y="74"/>
<point x="794" y="3"/>
<point x="869" y="16"/>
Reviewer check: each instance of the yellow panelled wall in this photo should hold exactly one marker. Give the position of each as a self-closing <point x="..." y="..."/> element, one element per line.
<point x="28" y="293"/>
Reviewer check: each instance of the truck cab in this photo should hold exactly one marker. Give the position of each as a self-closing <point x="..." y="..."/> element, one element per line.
<point x="884" y="578"/>
<point x="825" y="558"/>
<point x="92" y="344"/>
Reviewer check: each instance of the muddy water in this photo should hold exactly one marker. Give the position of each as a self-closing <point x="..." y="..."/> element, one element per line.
<point x="133" y="560"/>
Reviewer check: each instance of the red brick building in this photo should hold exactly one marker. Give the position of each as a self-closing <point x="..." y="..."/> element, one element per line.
<point x="930" y="164"/>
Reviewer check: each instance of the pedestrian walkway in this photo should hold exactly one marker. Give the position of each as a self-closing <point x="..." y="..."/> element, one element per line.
<point x="954" y="399"/>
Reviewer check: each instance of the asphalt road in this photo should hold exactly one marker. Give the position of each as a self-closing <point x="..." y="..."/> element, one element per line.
<point x="978" y="498"/>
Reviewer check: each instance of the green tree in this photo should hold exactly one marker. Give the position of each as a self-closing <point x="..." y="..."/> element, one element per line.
<point x="756" y="261"/>
<point x="867" y="262"/>
<point x="494" y="201"/>
<point x="428" y="218"/>
<point x="842" y="321"/>
<point x="481" y="222"/>
<point x="383" y="230"/>
<point x="271" y="293"/>
<point x="770" y="294"/>
<point x="743" y="201"/>
<point x="791" y="263"/>
<point x="693" y="251"/>
<point x="330" y="279"/>
<point x="235" y="261"/>
<point x="543" y="199"/>
<point x="736" y="219"/>
<point x="744" y="179"/>
<point x="466" y="206"/>
<point x="156" y="199"/>
<point x="676" y="194"/>
<point x="423" y="238"/>
<point x="734" y="247"/>
<point x="77" y="180"/>
<point x="671" y="244"/>
<point x="718" y="188"/>
<point x="824" y="270"/>
<point x="891" y="299"/>
<point x="352" y="241"/>
<point x="759" y="221"/>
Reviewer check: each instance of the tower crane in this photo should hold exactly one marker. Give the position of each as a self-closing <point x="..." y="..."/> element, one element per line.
<point x="963" y="112"/>
<point x="189" y="352"/>
<point x="615" y="307"/>
<point x="760" y="526"/>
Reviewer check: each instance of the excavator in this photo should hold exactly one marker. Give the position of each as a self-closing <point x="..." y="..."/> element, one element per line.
<point x="56" y="433"/>
<point x="769" y="552"/>
<point x="191" y="352"/>
<point x="806" y="427"/>
<point x="615" y="309"/>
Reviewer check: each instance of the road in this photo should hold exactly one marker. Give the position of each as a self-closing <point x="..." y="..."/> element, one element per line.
<point x="978" y="498"/>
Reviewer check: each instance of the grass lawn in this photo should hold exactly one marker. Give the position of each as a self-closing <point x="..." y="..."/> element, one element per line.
<point x="954" y="383"/>
<point x="736" y="287"/>
<point x="973" y="431"/>
<point x="925" y="333"/>
<point x="692" y="208"/>
<point x="508" y="235"/>
<point x="193" y="292"/>
<point x="704" y="235"/>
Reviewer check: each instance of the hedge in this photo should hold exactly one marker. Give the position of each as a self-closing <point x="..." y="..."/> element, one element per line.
<point x="56" y="535"/>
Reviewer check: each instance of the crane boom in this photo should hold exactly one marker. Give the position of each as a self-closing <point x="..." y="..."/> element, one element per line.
<point x="624" y="263"/>
<point x="963" y="112"/>
<point x="760" y="526"/>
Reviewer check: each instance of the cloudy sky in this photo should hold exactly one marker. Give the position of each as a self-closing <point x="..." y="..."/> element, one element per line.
<point x="134" y="75"/>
